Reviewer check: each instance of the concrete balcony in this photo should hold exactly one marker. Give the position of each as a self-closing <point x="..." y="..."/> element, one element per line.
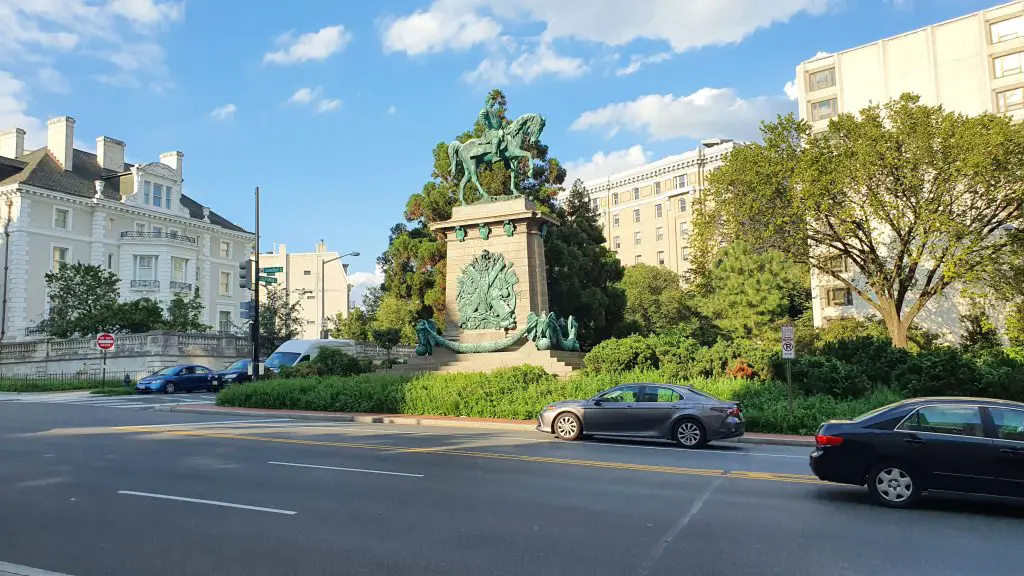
<point x="145" y="285"/>
<point x="181" y="287"/>
<point x="135" y="236"/>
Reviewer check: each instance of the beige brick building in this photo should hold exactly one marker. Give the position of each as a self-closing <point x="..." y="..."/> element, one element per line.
<point x="318" y="280"/>
<point x="971" y="64"/>
<point x="647" y="212"/>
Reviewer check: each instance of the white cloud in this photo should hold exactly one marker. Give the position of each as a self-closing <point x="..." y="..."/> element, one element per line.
<point x="392" y="110"/>
<point x="13" y="111"/>
<point x="790" y="89"/>
<point x="49" y="79"/>
<point x="601" y="165"/>
<point x="309" y="46"/>
<point x="682" y="24"/>
<point x="224" y="112"/>
<point x="527" y="67"/>
<point x="304" y="96"/>
<point x="636" y="62"/>
<point x="361" y="281"/>
<point x="328" y="105"/>
<point x="707" y="113"/>
<point x="122" y="32"/>
<point x="437" y="30"/>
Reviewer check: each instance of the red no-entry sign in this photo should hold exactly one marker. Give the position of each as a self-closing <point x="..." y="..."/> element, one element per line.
<point x="105" y="341"/>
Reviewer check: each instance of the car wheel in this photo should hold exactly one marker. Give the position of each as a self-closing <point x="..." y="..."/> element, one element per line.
<point x="567" y="426"/>
<point x="169" y="388"/>
<point x="894" y="485"/>
<point x="690" y="434"/>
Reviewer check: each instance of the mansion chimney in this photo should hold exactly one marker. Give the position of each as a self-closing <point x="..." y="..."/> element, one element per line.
<point x="172" y="159"/>
<point x="12" y="143"/>
<point x="60" y="138"/>
<point x="110" y="153"/>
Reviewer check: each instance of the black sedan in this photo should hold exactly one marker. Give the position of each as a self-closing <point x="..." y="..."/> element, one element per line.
<point x="971" y="445"/>
<point x="183" y="377"/>
<point x="236" y="373"/>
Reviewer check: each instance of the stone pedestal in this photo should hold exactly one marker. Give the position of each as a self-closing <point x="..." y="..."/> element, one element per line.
<point x="512" y="228"/>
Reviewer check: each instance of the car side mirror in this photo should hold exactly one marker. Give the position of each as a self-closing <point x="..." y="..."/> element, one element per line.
<point x="597" y="401"/>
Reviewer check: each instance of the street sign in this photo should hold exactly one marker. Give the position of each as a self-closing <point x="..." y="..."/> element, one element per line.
<point x="272" y="270"/>
<point x="788" y="344"/>
<point x="268" y="279"/>
<point x="105" y="341"/>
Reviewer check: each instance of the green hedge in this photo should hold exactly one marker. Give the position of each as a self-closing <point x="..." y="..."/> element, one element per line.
<point x="53" y="385"/>
<point x="519" y="393"/>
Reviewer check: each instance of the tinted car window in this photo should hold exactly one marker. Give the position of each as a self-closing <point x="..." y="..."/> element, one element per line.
<point x="1009" y="423"/>
<point x="623" y="394"/>
<point x="660" y="394"/>
<point x="201" y="370"/>
<point x="955" y="420"/>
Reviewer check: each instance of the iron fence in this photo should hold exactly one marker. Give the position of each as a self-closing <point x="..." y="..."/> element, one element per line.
<point x="66" y="381"/>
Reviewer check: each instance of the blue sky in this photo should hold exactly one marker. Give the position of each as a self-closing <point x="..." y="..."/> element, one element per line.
<point x="333" y="107"/>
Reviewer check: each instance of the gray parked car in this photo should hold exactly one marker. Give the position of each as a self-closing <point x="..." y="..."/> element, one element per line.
<point x="663" y="411"/>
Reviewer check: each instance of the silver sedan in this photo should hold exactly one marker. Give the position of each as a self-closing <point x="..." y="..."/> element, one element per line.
<point x="659" y="411"/>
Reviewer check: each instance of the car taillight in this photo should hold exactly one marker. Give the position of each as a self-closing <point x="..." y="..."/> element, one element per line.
<point x="736" y="411"/>
<point x="822" y="440"/>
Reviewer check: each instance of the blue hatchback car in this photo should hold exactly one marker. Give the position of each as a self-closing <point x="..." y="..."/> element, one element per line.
<point x="183" y="377"/>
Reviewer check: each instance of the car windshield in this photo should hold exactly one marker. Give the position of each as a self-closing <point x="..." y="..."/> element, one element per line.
<point x="169" y="371"/>
<point x="278" y="359"/>
<point x="239" y="365"/>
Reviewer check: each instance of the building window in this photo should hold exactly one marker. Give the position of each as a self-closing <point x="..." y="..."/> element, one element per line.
<point x="156" y="230"/>
<point x="224" y="319"/>
<point x="661" y="258"/>
<point x="657" y="188"/>
<point x="683" y="229"/>
<point x="1007" y="29"/>
<point x="225" y="284"/>
<point x="158" y="195"/>
<point x="615" y="221"/>
<point x="682" y="204"/>
<point x="636" y="215"/>
<point x="657" y="211"/>
<point x="838" y="264"/>
<point x="636" y="238"/>
<point x="146" y="195"/>
<point x="616" y="244"/>
<point x="636" y="259"/>
<point x="178" y="266"/>
<point x="61" y="218"/>
<point x="1007" y="65"/>
<point x="823" y="110"/>
<point x="145" y="268"/>
<point x="110" y="261"/>
<point x="636" y="193"/>
<point x="311" y="297"/>
<point x="1010" y="100"/>
<point x="839" y="296"/>
<point x="822" y="79"/>
<point x="59" y="257"/>
<point x="307" y="272"/>
<point x="225" y="249"/>
<point x="680" y="181"/>
<point x="594" y="204"/>
<point x="684" y="255"/>
<point x="659" y="233"/>
<point x="615" y="199"/>
<point x="140" y="227"/>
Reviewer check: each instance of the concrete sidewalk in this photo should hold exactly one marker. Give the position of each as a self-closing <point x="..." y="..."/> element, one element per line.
<point x="453" y="421"/>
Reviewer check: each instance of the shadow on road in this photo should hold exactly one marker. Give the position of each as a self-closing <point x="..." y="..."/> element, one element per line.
<point x="934" y="502"/>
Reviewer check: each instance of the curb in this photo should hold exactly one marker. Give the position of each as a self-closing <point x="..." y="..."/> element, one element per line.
<point x="454" y="423"/>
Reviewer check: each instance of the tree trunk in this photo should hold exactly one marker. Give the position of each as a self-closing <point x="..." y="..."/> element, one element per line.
<point x="897" y="327"/>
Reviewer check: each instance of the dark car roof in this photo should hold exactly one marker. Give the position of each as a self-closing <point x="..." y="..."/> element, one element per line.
<point x="960" y="400"/>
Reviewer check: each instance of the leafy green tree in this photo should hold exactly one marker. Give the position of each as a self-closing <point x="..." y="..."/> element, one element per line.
<point x="136" y="316"/>
<point x="582" y="272"/>
<point x="745" y="292"/>
<point x="655" y="301"/>
<point x="185" y="314"/>
<point x="355" y="327"/>
<point x="398" y="314"/>
<point x="387" y="339"/>
<point x="1015" y="325"/>
<point x="980" y="332"/>
<point x="82" y="298"/>
<point x="280" y="318"/>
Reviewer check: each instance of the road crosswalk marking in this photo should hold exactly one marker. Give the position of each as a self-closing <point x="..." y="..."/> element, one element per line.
<point x="92" y="400"/>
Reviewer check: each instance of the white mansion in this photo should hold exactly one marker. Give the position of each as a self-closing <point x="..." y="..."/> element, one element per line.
<point x="59" y="205"/>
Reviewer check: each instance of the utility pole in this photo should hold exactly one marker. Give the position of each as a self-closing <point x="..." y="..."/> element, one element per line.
<point x="256" y="297"/>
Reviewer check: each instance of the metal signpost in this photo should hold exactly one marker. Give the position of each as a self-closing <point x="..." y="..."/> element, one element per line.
<point x="105" y="342"/>
<point x="788" y="353"/>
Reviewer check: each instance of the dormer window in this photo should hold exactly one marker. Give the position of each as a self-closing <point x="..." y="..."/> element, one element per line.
<point x="158" y="195"/>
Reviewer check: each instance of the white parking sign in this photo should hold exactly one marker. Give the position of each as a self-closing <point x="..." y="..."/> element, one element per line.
<point x="788" y="343"/>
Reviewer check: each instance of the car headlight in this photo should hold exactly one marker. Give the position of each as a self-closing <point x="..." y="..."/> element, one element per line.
<point x="549" y="408"/>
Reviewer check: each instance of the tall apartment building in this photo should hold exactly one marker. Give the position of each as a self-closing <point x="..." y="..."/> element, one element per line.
<point x="60" y="205"/>
<point x="971" y="64"/>
<point x="318" y="280"/>
<point x="647" y="211"/>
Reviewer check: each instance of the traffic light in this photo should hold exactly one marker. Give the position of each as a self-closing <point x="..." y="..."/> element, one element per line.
<point x="247" y="310"/>
<point x="245" y="275"/>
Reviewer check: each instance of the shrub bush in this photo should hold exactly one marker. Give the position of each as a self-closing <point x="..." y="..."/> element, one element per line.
<point x="380" y="393"/>
<point x="334" y="362"/>
<point x="617" y="355"/>
<point x="826" y="375"/>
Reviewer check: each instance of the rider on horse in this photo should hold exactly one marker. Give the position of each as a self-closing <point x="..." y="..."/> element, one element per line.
<point x="495" y="129"/>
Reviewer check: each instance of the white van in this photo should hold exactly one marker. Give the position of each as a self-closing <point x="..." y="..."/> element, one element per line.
<point x="293" y="352"/>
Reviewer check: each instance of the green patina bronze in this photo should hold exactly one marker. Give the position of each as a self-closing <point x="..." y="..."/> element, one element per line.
<point x="460" y="233"/>
<point x="486" y="296"/>
<point x="546" y="333"/>
<point x="485" y="231"/>
<point x="509" y="228"/>
<point x="500" y="142"/>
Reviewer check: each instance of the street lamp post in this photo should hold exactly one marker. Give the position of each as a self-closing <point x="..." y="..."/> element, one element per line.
<point x="323" y="291"/>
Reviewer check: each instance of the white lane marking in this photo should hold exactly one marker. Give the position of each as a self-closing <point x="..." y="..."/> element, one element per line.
<point x="211" y="502"/>
<point x="19" y="570"/>
<point x="346" y="469"/>
<point x="205" y="423"/>
<point x="138" y="405"/>
<point x="659" y="549"/>
<point x="683" y="451"/>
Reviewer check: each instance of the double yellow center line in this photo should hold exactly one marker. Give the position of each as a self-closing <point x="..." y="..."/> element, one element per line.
<point x="739" y="474"/>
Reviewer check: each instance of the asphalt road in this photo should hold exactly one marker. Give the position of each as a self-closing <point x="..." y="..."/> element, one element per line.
<point x="91" y="491"/>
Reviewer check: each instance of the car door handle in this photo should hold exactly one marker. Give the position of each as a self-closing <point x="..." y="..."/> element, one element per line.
<point x="1012" y="451"/>
<point x="914" y="441"/>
